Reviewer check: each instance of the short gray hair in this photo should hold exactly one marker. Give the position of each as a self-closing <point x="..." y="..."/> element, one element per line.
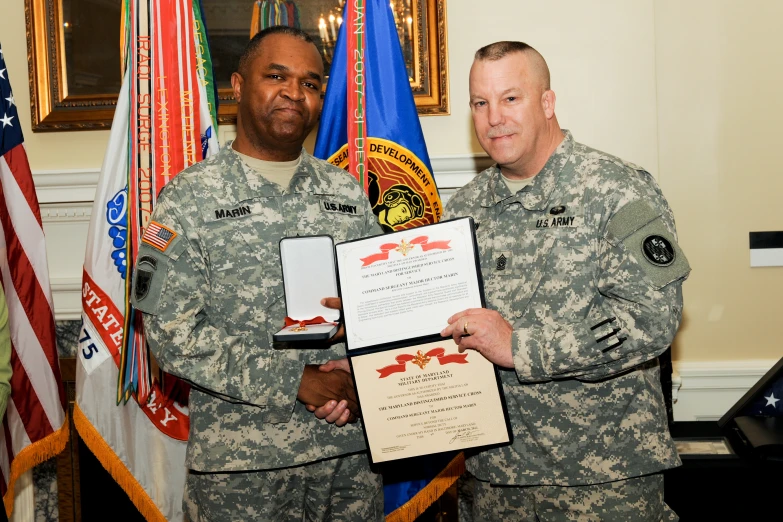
<point x="496" y="51"/>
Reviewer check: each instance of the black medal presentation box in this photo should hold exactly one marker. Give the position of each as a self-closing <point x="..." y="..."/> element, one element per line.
<point x="308" y="276"/>
<point x="418" y="394"/>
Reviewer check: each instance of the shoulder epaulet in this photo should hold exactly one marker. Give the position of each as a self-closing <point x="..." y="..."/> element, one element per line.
<point x="609" y="158"/>
<point x="634" y="166"/>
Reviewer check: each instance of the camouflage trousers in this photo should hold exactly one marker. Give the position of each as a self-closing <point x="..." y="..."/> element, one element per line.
<point x="638" y="499"/>
<point x="339" y="489"/>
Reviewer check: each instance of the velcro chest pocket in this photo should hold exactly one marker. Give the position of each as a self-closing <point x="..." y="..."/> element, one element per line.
<point x="244" y="265"/>
<point x="328" y="214"/>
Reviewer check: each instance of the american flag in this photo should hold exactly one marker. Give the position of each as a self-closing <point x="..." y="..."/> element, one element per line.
<point x="158" y="236"/>
<point x="34" y="427"/>
<point x="766" y="396"/>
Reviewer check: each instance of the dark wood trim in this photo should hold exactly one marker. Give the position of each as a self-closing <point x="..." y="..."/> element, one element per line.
<point x="68" y="483"/>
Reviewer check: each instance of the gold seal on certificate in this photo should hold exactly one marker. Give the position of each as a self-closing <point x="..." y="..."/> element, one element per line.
<point x="417" y="393"/>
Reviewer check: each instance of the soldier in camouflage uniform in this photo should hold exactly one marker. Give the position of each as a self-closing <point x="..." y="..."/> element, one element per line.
<point x="209" y="282"/>
<point x="583" y="276"/>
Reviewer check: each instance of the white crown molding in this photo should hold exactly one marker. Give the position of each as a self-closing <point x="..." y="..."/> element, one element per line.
<point x="66" y="212"/>
<point x="66" y="185"/>
<point x="710" y="375"/>
<point x="706" y="390"/>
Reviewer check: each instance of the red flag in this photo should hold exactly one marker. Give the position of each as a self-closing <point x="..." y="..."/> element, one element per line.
<point x="34" y="427"/>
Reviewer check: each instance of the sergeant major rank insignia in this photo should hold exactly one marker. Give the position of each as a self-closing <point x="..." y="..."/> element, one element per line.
<point x="501" y="262"/>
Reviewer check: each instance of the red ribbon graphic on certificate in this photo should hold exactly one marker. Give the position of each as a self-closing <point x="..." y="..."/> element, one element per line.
<point x="421" y="360"/>
<point x="404" y="247"/>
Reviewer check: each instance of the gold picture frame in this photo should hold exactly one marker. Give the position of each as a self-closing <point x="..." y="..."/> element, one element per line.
<point x="57" y="105"/>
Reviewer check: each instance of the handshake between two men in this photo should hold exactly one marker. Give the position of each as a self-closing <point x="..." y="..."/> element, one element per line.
<point x="328" y="390"/>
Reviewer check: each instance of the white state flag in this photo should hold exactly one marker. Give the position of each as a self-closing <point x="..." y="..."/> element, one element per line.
<point x="126" y="438"/>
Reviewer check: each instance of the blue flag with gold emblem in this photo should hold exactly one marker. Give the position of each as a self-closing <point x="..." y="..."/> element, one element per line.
<point x="399" y="179"/>
<point x="372" y="129"/>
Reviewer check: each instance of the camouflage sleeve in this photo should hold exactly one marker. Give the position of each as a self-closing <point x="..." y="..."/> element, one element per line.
<point x="637" y="305"/>
<point x="371" y="226"/>
<point x="171" y="286"/>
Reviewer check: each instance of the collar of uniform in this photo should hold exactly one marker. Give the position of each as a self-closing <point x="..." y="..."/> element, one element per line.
<point x="236" y="186"/>
<point x="498" y="190"/>
<point x="536" y="195"/>
<point x="304" y="180"/>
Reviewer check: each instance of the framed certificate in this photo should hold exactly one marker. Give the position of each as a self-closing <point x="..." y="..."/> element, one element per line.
<point x="428" y="398"/>
<point x="418" y="394"/>
<point x="403" y="286"/>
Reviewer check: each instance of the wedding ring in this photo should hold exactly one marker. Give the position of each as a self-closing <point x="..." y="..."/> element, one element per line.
<point x="465" y="328"/>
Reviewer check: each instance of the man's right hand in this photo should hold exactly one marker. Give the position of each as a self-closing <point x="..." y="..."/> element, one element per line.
<point x="335" y="303"/>
<point x="322" y="389"/>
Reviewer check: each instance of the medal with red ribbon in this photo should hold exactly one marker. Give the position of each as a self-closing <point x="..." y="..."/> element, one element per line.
<point x="302" y="323"/>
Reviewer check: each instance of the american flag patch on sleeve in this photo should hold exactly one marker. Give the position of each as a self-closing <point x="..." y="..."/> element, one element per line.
<point x="158" y="236"/>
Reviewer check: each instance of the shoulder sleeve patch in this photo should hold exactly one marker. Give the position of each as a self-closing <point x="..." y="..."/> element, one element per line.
<point x="148" y="279"/>
<point x="647" y="238"/>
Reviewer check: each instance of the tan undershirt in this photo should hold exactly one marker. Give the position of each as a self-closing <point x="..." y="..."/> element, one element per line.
<point x="279" y="172"/>
<point x="515" y="185"/>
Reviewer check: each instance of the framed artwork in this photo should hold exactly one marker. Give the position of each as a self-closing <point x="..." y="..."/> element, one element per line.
<point x="74" y="53"/>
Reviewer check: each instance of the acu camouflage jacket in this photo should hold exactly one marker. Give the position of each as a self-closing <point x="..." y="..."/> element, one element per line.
<point x="214" y="296"/>
<point x="585" y="266"/>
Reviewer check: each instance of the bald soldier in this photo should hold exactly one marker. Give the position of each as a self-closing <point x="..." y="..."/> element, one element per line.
<point x="583" y="276"/>
<point x="211" y="289"/>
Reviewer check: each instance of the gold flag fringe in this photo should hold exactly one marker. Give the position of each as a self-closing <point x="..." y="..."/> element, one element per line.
<point x="34" y="454"/>
<point x="409" y="511"/>
<point x="116" y="468"/>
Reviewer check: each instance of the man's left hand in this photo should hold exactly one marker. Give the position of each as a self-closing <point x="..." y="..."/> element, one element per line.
<point x="333" y="413"/>
<point x="487" y="332"/>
